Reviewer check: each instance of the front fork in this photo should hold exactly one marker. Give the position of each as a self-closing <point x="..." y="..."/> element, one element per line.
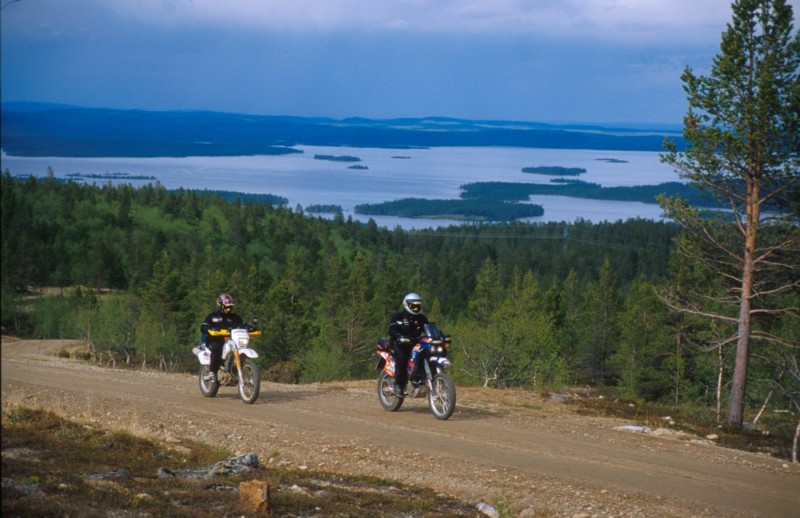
<point x="237" y="359"/>
<point x="429" y="376"/>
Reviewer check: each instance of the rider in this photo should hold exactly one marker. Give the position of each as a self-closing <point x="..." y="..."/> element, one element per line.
<point x="221" y="318"/>
<point x="405" y="324"/>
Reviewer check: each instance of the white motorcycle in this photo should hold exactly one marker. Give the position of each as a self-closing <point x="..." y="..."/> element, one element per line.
<point x="237" y="368"/>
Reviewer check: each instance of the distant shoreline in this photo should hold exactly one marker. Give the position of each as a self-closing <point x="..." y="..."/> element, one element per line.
<point x="93" y="132"/>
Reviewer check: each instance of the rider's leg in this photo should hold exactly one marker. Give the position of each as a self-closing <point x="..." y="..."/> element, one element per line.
<point x="400" y="369"/>
<point x="216" y="356"/>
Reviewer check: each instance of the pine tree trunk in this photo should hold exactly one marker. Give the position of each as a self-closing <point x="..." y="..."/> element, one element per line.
<point x="736" y="413"/>
<point x="720" y="369"/>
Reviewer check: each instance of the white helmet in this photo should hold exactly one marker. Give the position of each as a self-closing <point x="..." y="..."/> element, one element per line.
<point x="412" y="303"/>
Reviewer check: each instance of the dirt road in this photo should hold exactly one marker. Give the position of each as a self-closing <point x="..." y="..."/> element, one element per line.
<point x="512" y="449"/>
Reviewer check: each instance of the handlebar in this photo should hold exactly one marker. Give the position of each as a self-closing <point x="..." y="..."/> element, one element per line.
<point x="444" y="339"/>
<point x="227" y="332"/>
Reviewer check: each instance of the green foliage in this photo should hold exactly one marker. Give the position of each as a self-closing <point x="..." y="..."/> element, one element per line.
<point x="598" y="329"/>
<point x="644" y="346"/>
<point x="508" y="338"/>
<point x="323" y="362"/>
<point x="54" y="317"/>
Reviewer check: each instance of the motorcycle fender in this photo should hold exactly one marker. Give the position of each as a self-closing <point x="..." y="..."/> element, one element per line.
<point x="203" y="355"/>
<point x="250" y="353"/>
<point x="386" y="362"/>
<point x="444" y="362"/>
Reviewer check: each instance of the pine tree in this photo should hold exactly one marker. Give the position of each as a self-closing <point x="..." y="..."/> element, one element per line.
<point x="743" y="126"/>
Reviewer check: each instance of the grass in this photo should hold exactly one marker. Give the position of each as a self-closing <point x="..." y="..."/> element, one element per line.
<point x="56" y="467"/>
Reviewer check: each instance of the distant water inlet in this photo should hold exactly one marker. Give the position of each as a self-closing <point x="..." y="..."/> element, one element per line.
<point x="386" y="175"/>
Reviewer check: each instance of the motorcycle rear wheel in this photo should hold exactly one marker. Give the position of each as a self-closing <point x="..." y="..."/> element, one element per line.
<point x="386" y="395"/>
<point x="207" y="388"/>
<point x="442" y="399"/>
<point x="250" y="385"/>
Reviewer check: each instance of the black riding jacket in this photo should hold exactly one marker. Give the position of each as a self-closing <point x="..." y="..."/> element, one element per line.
<point x="217" y="320"/>
<point x="405" y="324"/>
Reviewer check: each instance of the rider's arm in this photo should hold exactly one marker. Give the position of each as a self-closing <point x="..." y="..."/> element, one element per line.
<point x="205" y="326"/>
<point x="396" y="327"/>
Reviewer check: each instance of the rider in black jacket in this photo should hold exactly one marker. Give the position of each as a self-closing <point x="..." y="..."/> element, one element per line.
<point x="222" y="318"/>
<point x="405" y="324"/>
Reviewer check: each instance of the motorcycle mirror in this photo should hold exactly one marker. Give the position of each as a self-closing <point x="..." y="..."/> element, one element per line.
<point x="255" y="320"/>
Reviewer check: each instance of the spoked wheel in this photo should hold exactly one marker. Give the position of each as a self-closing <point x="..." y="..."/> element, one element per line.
<point x="208" y="387"/>
<point x="442" y="399"/>
<point x="250" y="384"/>
<point x="386" y="395"/>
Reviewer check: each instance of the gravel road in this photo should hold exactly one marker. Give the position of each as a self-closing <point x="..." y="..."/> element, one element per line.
<point x="510" y="448"/>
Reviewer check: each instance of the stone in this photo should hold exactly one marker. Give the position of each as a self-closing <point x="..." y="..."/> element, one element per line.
<point x="487" y="510"/>
<point x="254" y="496"/>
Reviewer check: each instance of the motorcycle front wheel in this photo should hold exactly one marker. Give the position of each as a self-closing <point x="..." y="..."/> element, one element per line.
<point x="207" y="388"/>
<point x="386" y="395"/>
<point x="442" y="399"/>
<point x="250" y="384"/>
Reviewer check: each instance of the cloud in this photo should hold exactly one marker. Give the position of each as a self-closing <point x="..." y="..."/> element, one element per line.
<point x="609" y="20"/>
<point x="555" y="60"/>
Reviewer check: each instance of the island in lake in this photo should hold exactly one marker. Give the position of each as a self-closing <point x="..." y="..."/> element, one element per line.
<point x="555" y="170"/>
<point x="109" y="176"/>
<point x="612" y="160"/>
<point x="334" y="158"/>
<point x="358" y="166"/>
<point x="485" y="210"/>
<point x="324" y="209"/>
<point x="512" y="191"/>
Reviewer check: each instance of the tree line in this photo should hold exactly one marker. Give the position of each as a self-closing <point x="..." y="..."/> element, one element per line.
<point x="134" y="270"/>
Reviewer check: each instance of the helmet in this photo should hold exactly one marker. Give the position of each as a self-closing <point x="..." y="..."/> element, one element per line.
<point x="412" y="303"/>
<point x="225" y="302"/>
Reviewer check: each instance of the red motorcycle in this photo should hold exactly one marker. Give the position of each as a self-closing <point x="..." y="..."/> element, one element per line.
<point x="426" y="373"/>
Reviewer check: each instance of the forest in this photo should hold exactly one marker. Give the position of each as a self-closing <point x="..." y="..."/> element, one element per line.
<point x="133" y="271"/>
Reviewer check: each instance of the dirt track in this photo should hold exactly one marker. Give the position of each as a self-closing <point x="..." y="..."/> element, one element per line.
<point x="530" y="456"/>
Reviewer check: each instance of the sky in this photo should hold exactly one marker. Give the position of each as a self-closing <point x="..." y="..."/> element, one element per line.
<point x="556" y="61"/>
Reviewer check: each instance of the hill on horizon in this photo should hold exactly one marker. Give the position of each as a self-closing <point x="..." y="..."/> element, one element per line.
<point x="40" y="129"/>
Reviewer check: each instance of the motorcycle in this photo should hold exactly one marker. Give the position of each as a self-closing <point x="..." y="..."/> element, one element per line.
<point x="426" y="373"/>
<point x="237" y="368"/>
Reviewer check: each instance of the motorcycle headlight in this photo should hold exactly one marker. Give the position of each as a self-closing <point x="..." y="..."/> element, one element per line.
<point x="244" y="341"/>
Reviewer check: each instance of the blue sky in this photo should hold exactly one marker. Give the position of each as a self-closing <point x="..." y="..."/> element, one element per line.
<point x="558" y="61"/>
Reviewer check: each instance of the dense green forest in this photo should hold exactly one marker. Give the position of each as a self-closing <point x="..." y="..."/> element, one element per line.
<point x="135" y="270"/>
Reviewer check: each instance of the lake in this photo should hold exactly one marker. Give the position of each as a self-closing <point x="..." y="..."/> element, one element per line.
<point x="391" y="174"/>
